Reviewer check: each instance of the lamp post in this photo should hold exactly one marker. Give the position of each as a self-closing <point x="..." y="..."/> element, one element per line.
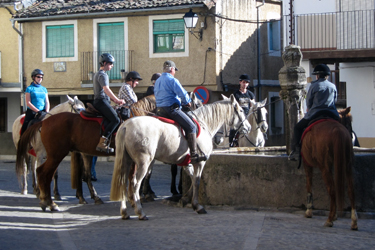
<point x="191" y="19"/>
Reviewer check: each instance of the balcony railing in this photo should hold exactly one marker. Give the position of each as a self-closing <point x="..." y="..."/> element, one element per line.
<point x="332" y="31"/>
<point x="90" y="64"/>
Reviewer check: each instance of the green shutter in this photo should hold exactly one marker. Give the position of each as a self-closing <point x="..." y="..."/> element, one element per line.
<point x="60" y="41"/>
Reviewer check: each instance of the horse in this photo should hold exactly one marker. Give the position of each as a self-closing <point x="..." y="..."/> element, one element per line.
<point x="64" y="133"/>
<point x="71" y="105"/>
<point x="142" y="140"/>
<point x="148" y="193"/>
<point x="328" y="143"/>
<point x="258" y="120"/>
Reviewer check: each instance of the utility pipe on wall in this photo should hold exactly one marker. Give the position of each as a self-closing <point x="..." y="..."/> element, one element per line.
<point x="258" y="54"/>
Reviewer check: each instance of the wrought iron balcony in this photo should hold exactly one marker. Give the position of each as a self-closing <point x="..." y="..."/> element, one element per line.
<point x="349" y="30"/>
<point x="90" y="64"/>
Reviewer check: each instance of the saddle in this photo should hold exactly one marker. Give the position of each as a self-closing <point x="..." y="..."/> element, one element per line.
<point x="92" y="114"/>
<point x="167" y="120"/>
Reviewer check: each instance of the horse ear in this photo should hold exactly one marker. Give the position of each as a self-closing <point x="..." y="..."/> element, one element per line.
<point x="264" y="102"/>
<point x="224" y="97"/>
<point x="253" y="102"/>
<point x="232" y="98"/>
<point x="349" y="109"/>
<point x="69" y="98"/>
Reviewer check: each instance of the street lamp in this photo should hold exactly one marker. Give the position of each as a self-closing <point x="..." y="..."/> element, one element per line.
<point x="191" y="19"/>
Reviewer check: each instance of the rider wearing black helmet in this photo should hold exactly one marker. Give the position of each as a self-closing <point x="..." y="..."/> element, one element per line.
<point x="320" y="101"/>
<point x="102" y="96"/>
<point x="126" y="91"/>
<point x="36" y="96"/>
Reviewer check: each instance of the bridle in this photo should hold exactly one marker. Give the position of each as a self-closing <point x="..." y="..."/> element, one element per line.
<point x="259" y="118"/>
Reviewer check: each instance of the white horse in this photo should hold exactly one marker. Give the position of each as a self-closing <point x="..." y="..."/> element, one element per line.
<point x="71" y="105"/>
<point x="258" y="120"/>
<point x="141" y="140"/>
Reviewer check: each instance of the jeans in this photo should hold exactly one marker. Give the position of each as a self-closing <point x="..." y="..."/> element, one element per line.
<point x="178" y="116"/>
<point x="109" y="113"/>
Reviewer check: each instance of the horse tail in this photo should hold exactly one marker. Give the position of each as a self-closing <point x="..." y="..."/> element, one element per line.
<point x="24" y="145"/>
<point x="343" y="156"/>
<point x="121" y="168"/>
<point x="75" y="169"/>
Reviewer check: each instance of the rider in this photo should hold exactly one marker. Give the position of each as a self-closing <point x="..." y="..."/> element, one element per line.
<point x="150" y="89"/>
<point x="37" y="100"/>
<point x="243" y="97"/>
<point x="320" y="101"/>
<point x="169" y="95"/>
<point x="126" y="91"/>
<point x="102" y="96"/>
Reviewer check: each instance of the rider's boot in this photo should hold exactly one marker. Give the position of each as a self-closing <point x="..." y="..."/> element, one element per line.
<point x="103" y="145"/>
<point x="295" y="154"/>
<point x="194" y="156"/>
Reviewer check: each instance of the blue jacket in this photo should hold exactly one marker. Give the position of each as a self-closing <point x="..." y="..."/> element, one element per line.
<point x="321" y="96"/>
<point x="168" y="91"/>
<point x="37" y="95"/>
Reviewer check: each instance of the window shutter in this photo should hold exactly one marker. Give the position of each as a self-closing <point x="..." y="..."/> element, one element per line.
<point x="60" y="41"/>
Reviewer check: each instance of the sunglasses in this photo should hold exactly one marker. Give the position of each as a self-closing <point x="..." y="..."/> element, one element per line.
<point x="41" y="77"/>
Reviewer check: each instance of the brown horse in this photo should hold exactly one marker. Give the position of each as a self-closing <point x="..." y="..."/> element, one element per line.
<point x="328" y="144"/>
<point x="64" y="133"/>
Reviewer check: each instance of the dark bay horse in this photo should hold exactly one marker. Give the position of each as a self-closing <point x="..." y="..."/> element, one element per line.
<point x="329" y="143"/>
<point x="64" y="133"/>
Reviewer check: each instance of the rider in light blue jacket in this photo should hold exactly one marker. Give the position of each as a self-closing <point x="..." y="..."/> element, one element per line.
<point x="170" y="95"/>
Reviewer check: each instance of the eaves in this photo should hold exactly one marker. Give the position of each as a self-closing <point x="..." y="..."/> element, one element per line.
<point x="104" y="14"/>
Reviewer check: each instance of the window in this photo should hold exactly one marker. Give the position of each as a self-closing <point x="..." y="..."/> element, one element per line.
<point x="110" y="35"/>
<point x="274" y="43"/>
<point x="60" y="41"/>
<point x="167" y="36"/>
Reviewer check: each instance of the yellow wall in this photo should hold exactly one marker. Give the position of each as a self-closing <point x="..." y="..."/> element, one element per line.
<point x="191" y="69"/>
<point x="366" y="142"/>
<point x="9" y="47"/>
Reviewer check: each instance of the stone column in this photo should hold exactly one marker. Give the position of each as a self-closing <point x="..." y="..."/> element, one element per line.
<point x="292" y="79"/>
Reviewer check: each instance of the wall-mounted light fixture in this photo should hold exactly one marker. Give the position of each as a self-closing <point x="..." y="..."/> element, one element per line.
<point x="191" y="19"/>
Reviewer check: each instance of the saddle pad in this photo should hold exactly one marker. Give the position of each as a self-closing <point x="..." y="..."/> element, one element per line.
<point x="163" y="119"/>
<point x="313" y="124"/>
<point x="97" y="119"/>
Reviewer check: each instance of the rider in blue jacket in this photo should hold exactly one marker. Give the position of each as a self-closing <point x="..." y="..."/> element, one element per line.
<point x="170" y="95"/>
<point x="320" y="101"/>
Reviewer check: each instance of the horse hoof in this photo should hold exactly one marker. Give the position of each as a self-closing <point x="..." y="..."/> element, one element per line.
<point x="308" y="213"/>
<point x="143" y="218"/>
<point x="43" y="208"/>
<point x="328" y="224"/>
<point x="24" y="192"/>
<point x="54" y="207"/>
<point x="149" y="198"/>
<point x="57" y="197"/>
<point x="202" y="211"/>
<point x="354" y="228"/>
<point x="82" y="201"/>
<point x="125" y="217"/>
<point x="98" y="201"/>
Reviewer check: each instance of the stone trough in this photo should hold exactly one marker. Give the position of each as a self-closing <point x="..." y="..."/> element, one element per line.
<point x="237" y="177"/>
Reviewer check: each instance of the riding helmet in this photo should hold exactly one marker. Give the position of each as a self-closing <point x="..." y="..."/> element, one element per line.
<point x="133" y="75"/>
<point x="106" y="57"/>
<point x="322" y="69"/>
<point x="36" y="72"/>
<point x="245" y="77"/>
<point x="155" y="76"/>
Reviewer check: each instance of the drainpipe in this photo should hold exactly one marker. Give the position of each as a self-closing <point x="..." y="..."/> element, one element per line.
<point x="258" y="53"/>
<point x="22" y="63"/>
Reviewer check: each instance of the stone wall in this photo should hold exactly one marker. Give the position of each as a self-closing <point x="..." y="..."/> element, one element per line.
<point x="273" y="181"/>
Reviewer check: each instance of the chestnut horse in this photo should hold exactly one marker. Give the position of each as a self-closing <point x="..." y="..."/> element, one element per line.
<point x="64" y="133"/>
<point x="328" y="143"/>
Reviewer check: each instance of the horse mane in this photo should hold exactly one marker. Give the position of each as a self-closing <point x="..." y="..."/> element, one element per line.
<point x="218" y="109"/>
<point x="144" y="106"/>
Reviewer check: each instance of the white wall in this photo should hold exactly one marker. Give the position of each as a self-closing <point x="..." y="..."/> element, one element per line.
<point x="360" y="94"/>
<point x="310" y="6"/>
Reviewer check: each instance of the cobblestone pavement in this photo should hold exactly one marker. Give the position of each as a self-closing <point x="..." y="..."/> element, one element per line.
<point x="23" y="225"/>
